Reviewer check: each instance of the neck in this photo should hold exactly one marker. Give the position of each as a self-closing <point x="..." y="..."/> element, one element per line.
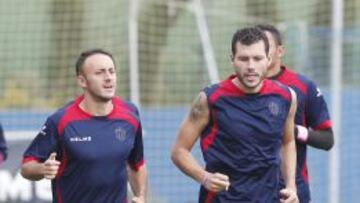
<point x="273" y="70"/>
<point x="96" y="108"/>
<point x="245" y="89"/>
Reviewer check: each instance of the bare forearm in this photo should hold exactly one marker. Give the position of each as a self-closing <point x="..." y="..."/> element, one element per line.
<point x="189" y="132"/>
<point x="288" y="163"/>
<point x="187" y="164"/>
<point x="32" y="171"/>
<point x="288" y="149"/>
<point x="138" y="181"/>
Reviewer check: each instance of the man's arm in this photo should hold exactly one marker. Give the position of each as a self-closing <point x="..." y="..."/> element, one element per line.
<point x="321" y="139"/>
<point x="317" y="117"/>
<point x="138" y="183"/>
<point x="34" y="170"/>
<point x="190" y="130"/>
<point x="288" y="155"/>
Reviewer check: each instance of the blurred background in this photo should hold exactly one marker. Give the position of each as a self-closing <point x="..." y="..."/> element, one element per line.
<point x="166" y="51"/>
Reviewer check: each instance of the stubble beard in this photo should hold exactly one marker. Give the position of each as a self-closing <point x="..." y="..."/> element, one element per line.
<point x="100" y="98"/>
<point x="242" y="80"/>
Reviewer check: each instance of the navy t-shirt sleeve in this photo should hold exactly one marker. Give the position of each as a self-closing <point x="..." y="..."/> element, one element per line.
<point x="317" y="115"/>
<point x="44" y="143"/>
<point x="3" y="147"/>
<point x="136" y="157"/>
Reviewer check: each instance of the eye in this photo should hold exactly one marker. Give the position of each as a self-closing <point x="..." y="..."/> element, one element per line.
<point x="258" y="58"/>
<point x="242" y="58"/>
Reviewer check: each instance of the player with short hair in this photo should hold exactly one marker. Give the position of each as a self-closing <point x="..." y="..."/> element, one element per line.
<point x="86" y="146"/>
<point x="313" y="125"/>
<point x="245" y="124"/>
<point x="3" y="146"/>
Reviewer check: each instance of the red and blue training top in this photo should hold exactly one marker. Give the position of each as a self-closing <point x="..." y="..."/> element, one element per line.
<point x="243" y="140"/>
<point x="312" y="112"/>
<point x="93" y="150"/>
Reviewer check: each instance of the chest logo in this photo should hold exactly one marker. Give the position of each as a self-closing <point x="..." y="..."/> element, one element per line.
<point x="274" y="108"/>
<point x="120" y="134"/>
<point x="80" y="139"/>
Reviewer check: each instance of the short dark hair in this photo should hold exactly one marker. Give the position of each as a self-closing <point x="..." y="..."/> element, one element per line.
<point x="249" y="36"/>
<point x="273" y="31"/>
<point x="86" y="54"/>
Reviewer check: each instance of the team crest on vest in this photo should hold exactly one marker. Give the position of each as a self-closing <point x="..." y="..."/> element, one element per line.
<point x="120" y="134"/>
<point x="274" y="108"/>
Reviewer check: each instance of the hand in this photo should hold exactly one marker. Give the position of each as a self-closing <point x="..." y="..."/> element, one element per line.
<point x="50" y="167"/>
<point x="288" y="196"/>
<point x="215" y="182"/>
<point x="302" y="133"/>
<point x="138" y="200"/>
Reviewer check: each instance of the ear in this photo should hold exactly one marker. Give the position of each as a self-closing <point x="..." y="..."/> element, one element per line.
<point x="232" y="59"/>
<point x="81" y="80"/>
<point x="281" y="51"/>
<point x="269" y="60"/>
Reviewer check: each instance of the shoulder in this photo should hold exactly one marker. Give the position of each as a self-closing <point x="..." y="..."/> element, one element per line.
<point x="222" y="89"/>
<point x="222" y="85"/>
<point x="61" y="112"/>
<point x="125" y="105"/>
<point x="126" y="110"/>
<point x="296" y="80"/>
<point x="276" y="88"/>
<point x="210" y="89"/>
<point x="312" y="90"/>
<point x="305" y="80"/>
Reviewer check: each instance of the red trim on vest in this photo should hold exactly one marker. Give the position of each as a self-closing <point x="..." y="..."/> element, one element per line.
<point x="137" y="165"/>
<point x="270" y="87"/>
<point x="226" y="88"/>
<point x="125" y="115"/>
<point x="304" y="172"/>
<point x="29" y="158"/>
<point x="324" y="125"/>
<point x="72" y="113"/>
<point x="290" y="78"/>
<point x="123" y="112"/>
<point x="209" y="197"/>
<point x="209" y="138"/>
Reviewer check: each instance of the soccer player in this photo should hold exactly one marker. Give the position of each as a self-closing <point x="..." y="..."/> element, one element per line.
<point x="3" y="146"/>
<point x="313" y="125"/>
<point x="92" y="146"/>
<point x="246" y="125"/>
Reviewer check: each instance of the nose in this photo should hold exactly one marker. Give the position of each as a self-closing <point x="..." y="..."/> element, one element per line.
<point x="251" y="65"/>
<point x="108" y="75"/>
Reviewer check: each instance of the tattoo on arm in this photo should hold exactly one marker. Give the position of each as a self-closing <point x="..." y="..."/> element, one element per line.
<point x="199" y="109"/>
